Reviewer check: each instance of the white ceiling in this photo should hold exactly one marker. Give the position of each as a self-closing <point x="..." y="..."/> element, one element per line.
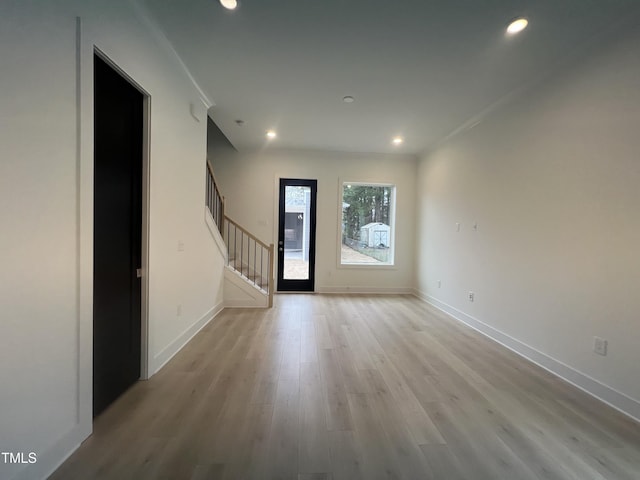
<point x="417" y="68"/>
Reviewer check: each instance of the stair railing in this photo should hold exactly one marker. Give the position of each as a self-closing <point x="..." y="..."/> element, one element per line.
<point x="249" y="256"/>
<point x="246" y="254"/>
<point x="215" y="201"/>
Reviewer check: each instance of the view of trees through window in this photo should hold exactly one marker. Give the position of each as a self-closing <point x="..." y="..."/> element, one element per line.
<point x="367" y="215"/>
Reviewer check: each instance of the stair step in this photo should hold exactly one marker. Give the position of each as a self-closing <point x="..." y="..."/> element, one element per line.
<point x="261" y="282"/>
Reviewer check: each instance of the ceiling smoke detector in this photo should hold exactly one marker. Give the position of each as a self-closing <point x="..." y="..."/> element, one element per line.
<point x="348" y="99"/>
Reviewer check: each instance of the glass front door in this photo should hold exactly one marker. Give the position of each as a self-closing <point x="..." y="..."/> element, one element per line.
<point x="297" y="235"/>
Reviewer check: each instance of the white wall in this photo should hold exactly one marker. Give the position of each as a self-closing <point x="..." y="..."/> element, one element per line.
<point x="552" y="179"/>
<point x="249" y="184"/>
<point x="46" y="122"/>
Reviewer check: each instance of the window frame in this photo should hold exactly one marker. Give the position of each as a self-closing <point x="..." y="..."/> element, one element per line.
<point x="390" y="265"/>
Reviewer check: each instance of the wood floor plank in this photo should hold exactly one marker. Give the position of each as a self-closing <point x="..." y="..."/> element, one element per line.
<point x="378" y="460"/>
<point x="323" y="333"/>
<point x="353" y="387"/>
<point x="419" y="423"/>
<point x="284" y="432"/>
<point x="250" y="456"/>
<point x="334" y="392"/>
<point x="313" y="447"/>
<point x="443" y="463"/>
<point x="403" y="445"/>
<point x="346" y="461"/>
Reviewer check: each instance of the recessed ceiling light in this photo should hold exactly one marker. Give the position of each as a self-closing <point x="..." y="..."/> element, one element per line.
<point x="271" y="134"/>
<point x="229" y="4"/>
<point x="517" y="26"/>
<point x="348" y="99"/>
<point x="397" y="140"/>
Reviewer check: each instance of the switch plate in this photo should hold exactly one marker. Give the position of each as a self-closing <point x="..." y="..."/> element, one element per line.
<point x="179" y="310"/>
<point x="600" y="346"/>
<point x="439" y="283"/>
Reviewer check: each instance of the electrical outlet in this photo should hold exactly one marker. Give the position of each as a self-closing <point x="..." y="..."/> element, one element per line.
<point x="472" y="296"/>
<point x="600" y="346"/>
<point x="180" y="246"/>
<point x="179" y="310"/>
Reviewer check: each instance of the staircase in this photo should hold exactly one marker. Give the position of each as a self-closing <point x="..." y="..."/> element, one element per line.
<point x="249" y="280"/>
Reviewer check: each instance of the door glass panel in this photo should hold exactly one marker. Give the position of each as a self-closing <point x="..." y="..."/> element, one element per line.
<point x="296" y="232"/>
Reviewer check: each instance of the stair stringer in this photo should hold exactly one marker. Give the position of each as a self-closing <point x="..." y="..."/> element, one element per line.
<point x="241" y="293"/>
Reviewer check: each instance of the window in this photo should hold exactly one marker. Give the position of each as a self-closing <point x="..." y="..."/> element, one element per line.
<point x="368" y="212"/>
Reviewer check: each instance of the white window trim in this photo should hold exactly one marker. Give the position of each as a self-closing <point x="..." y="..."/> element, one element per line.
<point x="392" y="232"/>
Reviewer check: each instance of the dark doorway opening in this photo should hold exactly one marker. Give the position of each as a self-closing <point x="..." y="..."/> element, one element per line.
<point x="117" y="233"/>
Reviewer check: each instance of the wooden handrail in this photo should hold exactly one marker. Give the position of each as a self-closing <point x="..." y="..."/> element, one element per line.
<point x="216" y="205"/>
<point x="246" y="232"/>
<point x="236" y="235"/>
<point x="210" y="167"/>
<point x="213" y="177"/>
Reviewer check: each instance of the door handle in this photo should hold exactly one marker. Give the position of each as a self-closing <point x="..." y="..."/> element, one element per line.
<point x="281" y="249"/>
<point x="138" y="273"/>
<point x="280" y="242"/>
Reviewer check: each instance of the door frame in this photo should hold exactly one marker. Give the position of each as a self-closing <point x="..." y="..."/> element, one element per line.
<point x="144" y="256"/>
<point x="279" y="228"/>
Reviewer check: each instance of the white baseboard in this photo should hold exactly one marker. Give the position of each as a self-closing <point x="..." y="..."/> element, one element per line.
<point x="366" y="290"/>
<point x="56" y="455"/>
<point x="53" y="457"/>
<point x="618" y="400"/>
<point x="161" y="359"/>
<point x="242" y="303"/>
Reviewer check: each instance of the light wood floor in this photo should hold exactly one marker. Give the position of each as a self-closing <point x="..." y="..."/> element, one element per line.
<point x="353" y="387"/>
